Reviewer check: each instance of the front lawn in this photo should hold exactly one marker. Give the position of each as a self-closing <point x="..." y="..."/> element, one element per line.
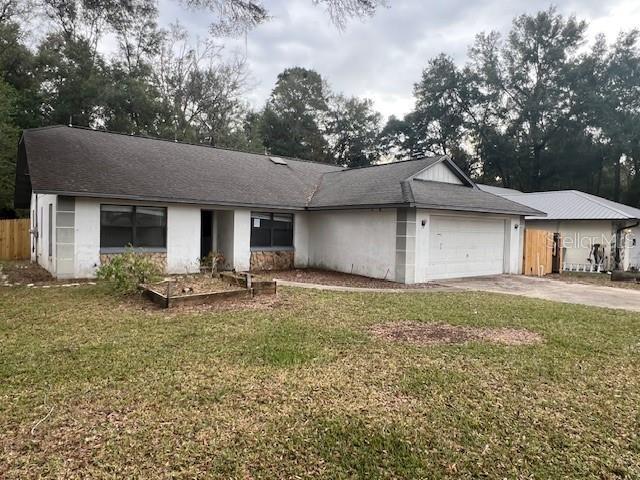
<point x="91" y="386"/>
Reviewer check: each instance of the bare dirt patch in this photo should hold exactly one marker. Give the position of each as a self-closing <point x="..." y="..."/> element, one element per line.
<point x="440" y="333"/>
<point x="258" y="302"/>
<point x="193" y="284"/>
<point x="327" y="277"/>
<point x="23" y="273"/>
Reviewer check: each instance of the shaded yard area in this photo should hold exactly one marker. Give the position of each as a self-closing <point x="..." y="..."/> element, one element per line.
<point x="600" y="279"/>
<point x="328" y="277"/>
<point x="91" y="386"/>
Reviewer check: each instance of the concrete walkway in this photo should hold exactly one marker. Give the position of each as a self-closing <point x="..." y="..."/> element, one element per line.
<point x="341" y="288"/>
<point x="555" y="290"/>
<point x="533" y="287"/>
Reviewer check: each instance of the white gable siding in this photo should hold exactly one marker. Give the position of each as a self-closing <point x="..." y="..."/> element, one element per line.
<point x="440" y="172"/>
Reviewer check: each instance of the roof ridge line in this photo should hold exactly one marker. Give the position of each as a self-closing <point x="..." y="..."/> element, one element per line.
<point x="407" y="191"/>
<point x="182" y="142"/>
<point x="315" y="189"/>
<point x="44" y="127"/>
<point x="596" y="199"/>
<point x="425" y="157"/>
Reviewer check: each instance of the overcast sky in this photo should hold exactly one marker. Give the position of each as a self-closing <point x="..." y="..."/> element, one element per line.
<point x="383" y="56"/>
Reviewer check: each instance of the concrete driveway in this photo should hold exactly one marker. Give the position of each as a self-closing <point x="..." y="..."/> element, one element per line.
<point x="555" y="290"/>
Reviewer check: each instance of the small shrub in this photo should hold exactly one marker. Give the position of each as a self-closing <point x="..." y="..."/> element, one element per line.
<point x="125" y="272"/>
<point x="213" y="260"/>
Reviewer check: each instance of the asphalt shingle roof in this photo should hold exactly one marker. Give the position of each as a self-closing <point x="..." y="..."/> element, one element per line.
<point x="81" y="161"/>
<point x="84" y="162"/>
<point x="376" y="185"/>
<point x="458" y="197"/>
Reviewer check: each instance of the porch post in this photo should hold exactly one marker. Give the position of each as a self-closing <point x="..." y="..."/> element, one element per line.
<point x="241" y="239"/>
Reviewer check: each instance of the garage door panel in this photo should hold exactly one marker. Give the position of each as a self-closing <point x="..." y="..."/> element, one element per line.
<point x="463" y="246"/>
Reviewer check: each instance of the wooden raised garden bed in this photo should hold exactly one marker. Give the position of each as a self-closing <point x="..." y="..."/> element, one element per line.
<point x="204" y="289"/>
<point x="257" y="284"/>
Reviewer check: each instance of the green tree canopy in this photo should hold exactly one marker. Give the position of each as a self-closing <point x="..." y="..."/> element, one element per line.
<point x="296" y="114"/>
<point x="354" y="127"/>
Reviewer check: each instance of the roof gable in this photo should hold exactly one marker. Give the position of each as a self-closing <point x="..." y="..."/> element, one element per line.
<point x="439" y="172"/>
<point x="446" y="171"/>
<point x="369" y="186"/>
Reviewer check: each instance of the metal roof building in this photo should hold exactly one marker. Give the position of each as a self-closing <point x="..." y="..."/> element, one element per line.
<point x="568" y="205"/>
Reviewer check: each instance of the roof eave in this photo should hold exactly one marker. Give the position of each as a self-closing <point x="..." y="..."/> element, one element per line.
<point x="458" y="208"/>
<point x="573" y="219"/>
<point x="182" y="201"/>
<point x="359" y="206"/>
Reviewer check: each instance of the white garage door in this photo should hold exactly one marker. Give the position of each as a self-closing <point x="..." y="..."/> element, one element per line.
<point x="465" y="247"/>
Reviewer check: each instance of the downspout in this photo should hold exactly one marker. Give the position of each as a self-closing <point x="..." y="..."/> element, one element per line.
<point x="618" y="231"/>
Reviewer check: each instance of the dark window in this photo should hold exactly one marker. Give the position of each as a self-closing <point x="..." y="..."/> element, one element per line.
<point x="271" y="230"/>
<point x="124" y="225"/>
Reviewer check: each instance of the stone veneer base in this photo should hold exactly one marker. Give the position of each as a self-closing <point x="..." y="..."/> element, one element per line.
<point x="267" y="260"/>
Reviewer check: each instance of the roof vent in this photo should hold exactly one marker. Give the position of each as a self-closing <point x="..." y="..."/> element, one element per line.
<point x="278" y="160"/>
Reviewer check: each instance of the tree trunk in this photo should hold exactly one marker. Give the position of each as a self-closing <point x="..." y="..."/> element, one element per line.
<point x="599" y="181"/>
<point x="537" y="167"/>
<point x="616" y="181"/>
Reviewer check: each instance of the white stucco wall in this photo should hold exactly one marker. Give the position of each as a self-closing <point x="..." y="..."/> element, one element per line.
<point x="232" y="229"/>
<point x="183" y="236"/>
<point x="40" y="208"/>
<point x="633" y="250"/>
<point x="87" y="237"/>
<point x="579" y="236"/>
<point x="362" y="242"/>
<point x="183" y="239"/>
<point x="515" y="226"/>
<point x="242" y="239"/>
<point x="301" y="239"/>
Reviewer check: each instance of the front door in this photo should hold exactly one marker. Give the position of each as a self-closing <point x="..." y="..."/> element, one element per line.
<point x="206" y="233"/>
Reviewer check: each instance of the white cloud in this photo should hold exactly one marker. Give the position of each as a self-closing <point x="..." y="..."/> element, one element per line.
<point x="382" y="57"/>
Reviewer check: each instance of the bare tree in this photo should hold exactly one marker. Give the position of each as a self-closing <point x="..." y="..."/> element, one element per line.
<point x="12" y="9"/>
<point x="237" y="16"/>
<point x="200" y="91"/>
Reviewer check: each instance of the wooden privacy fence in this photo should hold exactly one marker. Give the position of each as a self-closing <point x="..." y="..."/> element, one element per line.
<point x="15" y="242"/>
<point x="538" y="252"/>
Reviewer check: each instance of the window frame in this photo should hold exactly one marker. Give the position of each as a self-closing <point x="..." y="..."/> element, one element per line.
<point x="50" y="230"/>
<point x="134" y="228"/>
<point x="271" y="247"/>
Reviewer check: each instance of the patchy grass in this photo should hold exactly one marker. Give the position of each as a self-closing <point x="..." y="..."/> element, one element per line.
<point x="93" y="387"/>
<point x="600" y="279"/>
